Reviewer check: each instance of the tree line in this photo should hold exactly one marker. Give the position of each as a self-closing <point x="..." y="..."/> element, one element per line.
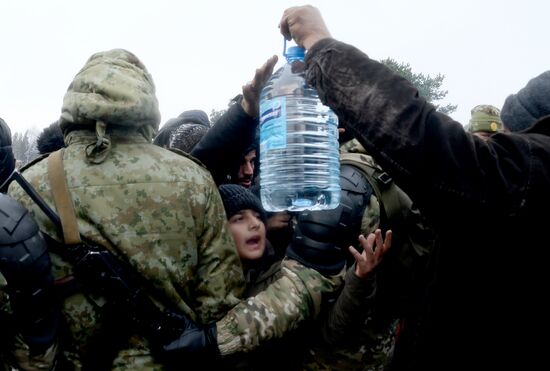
<point x="24" y="146"/>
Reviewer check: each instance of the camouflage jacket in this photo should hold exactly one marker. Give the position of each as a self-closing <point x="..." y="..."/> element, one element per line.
<point x="155" y="210"/>
<point x="294" y="297"/>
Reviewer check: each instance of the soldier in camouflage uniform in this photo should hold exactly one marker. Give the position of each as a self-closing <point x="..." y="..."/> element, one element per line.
<point x="485" y="121"/>
<point x="160" y="214"/>
<point x="157" y="211"/>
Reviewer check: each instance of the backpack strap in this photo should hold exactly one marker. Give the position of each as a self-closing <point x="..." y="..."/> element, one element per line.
<point x="62" y="198"/>
<point x="392" y="198"/>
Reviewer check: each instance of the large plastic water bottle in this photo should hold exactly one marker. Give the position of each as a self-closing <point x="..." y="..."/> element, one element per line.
<point x="299" y="157"/>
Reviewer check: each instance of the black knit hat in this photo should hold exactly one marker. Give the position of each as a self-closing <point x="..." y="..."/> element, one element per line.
<point x="194" y="118"/>
<point x="186" y="136"/>
<point x="236" y="198"/>
<point x="520" y="111"/>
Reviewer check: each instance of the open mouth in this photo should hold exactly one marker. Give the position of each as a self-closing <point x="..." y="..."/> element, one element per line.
<point x="254" y="241"/>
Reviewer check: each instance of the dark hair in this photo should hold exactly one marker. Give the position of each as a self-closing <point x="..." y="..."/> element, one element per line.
<point x="51" y="139"/>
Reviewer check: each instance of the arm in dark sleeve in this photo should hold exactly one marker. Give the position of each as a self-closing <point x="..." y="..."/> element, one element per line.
<point x="429" y="155"/>
<point x="223" y="145"/>
<point x="350" y="308"/>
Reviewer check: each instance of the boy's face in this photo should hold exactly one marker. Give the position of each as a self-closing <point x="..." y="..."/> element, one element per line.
<point x="248" y="231"/>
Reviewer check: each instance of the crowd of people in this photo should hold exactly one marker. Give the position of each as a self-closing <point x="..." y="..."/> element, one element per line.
<point x="129" y="246"/>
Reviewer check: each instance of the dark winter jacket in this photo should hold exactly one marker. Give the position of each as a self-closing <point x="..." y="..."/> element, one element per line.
<point x="222" y="147"/>
<point x="483" y="301"/>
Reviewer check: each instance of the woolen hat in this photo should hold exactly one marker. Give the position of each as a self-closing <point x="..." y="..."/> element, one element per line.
<point x="186" y="136"/>
<point x="196" y="123"/>
<point x="520" y="111"/>
<point x="236" y="198"/>
<point x="195" y="116"/>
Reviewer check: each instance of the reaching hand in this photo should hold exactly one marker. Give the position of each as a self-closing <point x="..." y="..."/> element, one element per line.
<point x="278" y="220"/>
<point x="252" y="90"/>
<point x="370" y="258"/>
<point x="304" y="24"/>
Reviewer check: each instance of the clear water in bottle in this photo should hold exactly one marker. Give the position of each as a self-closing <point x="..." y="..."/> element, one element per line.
<point x="299" y="157"/>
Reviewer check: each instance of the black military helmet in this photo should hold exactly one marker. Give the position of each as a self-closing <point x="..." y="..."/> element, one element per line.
<point x="23" y="250"/>
<point x="25" y="264"/>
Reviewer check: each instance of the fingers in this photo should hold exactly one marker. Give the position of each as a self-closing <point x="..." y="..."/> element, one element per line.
<point x="387" y="240"/>
<point x="270" y="64"/>
<point x="279" y="221"/>
<point x="382" y="245"/>
<point x="251" y="90"/>
<point x="367" y="243"/>
<point x="372" y="253"/>
<point x="356" y="255"/>
<point x="378" y="238"/>
<point x="283" y="24"/>
<point x="263" y="73"/>
<point x="364" y="263"/>
<point x="304" y="24"/>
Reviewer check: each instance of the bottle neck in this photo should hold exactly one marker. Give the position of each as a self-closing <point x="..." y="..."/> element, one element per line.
<point x="292" y="59"/>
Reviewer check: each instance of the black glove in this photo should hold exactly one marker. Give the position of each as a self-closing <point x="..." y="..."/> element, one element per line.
<point x="194" y="339"/>
<point x="196" y="346"/>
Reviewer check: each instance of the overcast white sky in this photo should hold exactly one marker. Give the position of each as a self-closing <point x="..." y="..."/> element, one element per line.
<point x="201" y="52"/>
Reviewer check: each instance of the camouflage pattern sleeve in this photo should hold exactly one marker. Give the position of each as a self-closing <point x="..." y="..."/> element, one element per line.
<point x="219" y="279"/>
<point x="293" y="298"/>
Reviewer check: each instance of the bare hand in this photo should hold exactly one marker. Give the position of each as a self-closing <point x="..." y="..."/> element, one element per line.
<point x="252" y="90"/>
<point x="304" y="24"/>
<point x="370" y="258"/>
<point x="278" y="221"/>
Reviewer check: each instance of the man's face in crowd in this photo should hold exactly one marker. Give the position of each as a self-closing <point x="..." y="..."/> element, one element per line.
<point x="246" y="169"/>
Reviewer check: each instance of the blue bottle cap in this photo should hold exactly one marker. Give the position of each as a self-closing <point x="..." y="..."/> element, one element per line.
<point x="295" y="52"/>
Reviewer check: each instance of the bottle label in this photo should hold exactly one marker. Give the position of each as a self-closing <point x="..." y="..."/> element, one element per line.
<point x="273" y="124"/>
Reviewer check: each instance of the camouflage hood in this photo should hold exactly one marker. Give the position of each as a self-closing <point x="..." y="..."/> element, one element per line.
<point x="371" y="217"/>
<point x="113" y="88"/>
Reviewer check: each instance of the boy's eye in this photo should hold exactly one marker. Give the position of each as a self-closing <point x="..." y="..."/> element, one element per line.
<point x="236" y="218"/>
